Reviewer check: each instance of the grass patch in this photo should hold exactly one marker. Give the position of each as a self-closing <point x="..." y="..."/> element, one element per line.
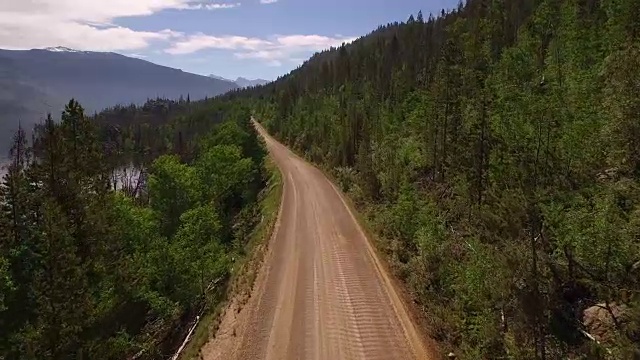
<point x="246" y="266"/>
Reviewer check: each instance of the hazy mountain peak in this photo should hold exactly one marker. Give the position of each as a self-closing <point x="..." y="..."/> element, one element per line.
<point x="219" y="77"/>
<point x="40" y="81"/>
<point x="242" y="82"/>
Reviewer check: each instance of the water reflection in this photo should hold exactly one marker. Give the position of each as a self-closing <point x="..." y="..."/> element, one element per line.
<point x="130" y="179"/>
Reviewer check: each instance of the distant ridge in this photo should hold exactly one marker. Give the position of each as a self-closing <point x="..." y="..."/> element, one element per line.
<point x="40" y="81"/>
<point x="242" y="82"/>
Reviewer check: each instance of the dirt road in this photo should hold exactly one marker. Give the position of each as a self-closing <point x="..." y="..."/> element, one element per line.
<point x="321" y="293"/>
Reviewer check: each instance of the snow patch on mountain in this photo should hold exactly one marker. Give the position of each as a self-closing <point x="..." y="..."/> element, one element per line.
<point x="63" y="49"/>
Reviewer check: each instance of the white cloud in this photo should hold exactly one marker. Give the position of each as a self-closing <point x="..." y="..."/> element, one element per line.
<point x="213" y="6"/>
<point x="268" y="1"/>
<point x="201" y="41"/>
<point x="90" y="25"/>
<point x="85" y="24"/>
<point x="221" y="6"/>
<point x="273" y="50"/>
<point x="311" y="42"/>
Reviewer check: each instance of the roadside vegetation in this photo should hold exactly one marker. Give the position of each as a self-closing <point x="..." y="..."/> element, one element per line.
<point x="246" y="266"/>
<point x="93" y="266"/>
<point x="494" y="150"/>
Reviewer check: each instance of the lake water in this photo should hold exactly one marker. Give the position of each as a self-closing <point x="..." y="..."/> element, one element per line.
<point x="125" y="177"/>
<point x="128" y="178"/>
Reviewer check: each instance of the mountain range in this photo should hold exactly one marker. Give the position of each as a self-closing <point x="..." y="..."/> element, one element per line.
<point x="40" y="81"/>
<point x="243" y="82"/>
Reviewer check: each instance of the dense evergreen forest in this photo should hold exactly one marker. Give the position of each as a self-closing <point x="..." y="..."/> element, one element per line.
<point x="495" y="151"/>
<point x="98" y="264"/>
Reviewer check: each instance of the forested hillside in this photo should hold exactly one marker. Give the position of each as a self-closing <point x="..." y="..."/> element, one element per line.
<point x="114" y="235"/>
<point x="34" y="82"/>
<point x="495" y="151"/>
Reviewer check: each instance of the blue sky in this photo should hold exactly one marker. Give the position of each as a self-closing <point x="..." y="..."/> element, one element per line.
<point x="250" y="38"/>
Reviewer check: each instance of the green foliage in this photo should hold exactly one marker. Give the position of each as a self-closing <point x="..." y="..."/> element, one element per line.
<point x="494" y="150"/>
<point x="199" y="253"/>
<point x="224" y="171"/>
<point x="173" y="189"/>
<point x="6" y="284"/>
<point x="95" y="267"/>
